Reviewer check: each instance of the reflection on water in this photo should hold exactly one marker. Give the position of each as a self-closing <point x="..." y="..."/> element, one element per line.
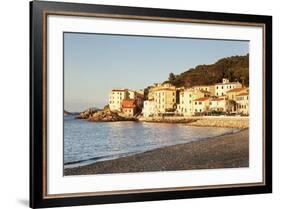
<point x="87" y="142"/>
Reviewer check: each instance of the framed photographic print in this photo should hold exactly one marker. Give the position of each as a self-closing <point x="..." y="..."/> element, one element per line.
<point x="140" y="104"/>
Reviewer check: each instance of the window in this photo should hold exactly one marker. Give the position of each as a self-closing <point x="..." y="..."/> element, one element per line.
<point x="221" y="87"/>
<point x="200" y="103"/>
<point x="217" y="87"/>
<point x="200" y="110"/>
<point x="195" y="103"/>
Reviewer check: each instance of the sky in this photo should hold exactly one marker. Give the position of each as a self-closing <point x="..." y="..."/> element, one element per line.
<point x="96" y="63"/>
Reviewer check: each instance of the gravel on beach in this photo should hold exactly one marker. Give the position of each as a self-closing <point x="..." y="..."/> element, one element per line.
<point x="227" y="151"/>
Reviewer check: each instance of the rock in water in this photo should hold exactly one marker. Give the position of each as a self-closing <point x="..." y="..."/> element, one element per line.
<point x="87" y="113"/>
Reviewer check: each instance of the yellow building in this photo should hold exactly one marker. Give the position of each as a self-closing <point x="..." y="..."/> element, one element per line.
<point x="186" y="97"/>
<point x="165" y="98"/>
<point x="152" y="90"/>
<point x="209" y="88"/>
<point x="116" y="97"/>
<point x="231" y="94"/>
<point x="242" y="101"/>
<point x="222" y="88"/>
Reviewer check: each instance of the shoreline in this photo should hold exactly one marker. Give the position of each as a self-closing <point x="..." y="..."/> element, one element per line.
<point x="225" y="151"/>
<point x="202" y="121"/>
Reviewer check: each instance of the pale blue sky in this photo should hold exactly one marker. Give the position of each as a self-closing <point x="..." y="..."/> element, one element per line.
<point x="94" y="64"/>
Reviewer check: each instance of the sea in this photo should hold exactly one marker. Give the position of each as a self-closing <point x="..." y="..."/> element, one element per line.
<point x="89" y="142"/>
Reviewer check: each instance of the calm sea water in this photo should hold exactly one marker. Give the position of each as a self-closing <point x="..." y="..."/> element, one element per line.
<point x="87" y="142"/>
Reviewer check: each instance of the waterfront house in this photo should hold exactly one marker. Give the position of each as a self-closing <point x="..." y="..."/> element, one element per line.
<point x="218" y="104"/>
<point x="186" y="97"/>
<point x="222" y="88"/>
<point x="231" y="94"/>
<point x="138" y="96"/>
<point x="116" y="97"/>
<point x="165" y="98"/>
<point x="242" y="100"/>
<point x="129" y="107"/>
<point x="201" y="105"/>
<point x="149" y="108"/>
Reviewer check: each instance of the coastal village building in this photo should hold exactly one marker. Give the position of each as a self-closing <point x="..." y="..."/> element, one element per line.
<point x="186" y="97"/>
<point x="129" y="107"/>
<point x="208" y="88"/>
<point x="149" y="108"/>
<point x="222" y="88"/>
<point x="165" y="98"/>
<point x="242" y="100"/>
<point x="201" y="105"/>
<point x="116" y="97"/>
<point x="231" y="94"/>
<point x="138" y="96"/>
<point x="218" y="104"/>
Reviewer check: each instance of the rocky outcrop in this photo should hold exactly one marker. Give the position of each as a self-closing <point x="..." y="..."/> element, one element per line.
<point x="104" y="115"/>
<point x="107" y="116"/>
<point x="87" y="113"/>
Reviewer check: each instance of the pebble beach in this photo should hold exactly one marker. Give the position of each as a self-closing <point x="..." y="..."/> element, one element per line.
<point x="227" y="151"/>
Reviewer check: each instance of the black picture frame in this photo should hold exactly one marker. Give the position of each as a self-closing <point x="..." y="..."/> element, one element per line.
<point x="38" y="11"/>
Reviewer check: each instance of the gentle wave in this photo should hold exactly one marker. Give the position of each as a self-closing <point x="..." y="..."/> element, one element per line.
<point x="87" y="142"/>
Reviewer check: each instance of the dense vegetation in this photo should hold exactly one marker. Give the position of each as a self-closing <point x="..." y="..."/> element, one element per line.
<point x="234" y="68"/>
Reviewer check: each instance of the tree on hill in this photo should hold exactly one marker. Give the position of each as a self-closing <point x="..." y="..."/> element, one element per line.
<point x="235" y="68"/>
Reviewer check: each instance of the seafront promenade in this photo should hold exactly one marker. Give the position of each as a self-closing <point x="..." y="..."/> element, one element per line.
<point x="206" y="121"/>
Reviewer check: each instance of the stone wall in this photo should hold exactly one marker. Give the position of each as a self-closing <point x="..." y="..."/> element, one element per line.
<point x="210" y="121"/>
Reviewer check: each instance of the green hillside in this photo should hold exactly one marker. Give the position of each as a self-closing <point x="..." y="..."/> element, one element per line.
<point x="234" y="68"/>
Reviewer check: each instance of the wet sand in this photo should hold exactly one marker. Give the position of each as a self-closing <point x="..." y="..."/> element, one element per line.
<point x="228" y="151"/>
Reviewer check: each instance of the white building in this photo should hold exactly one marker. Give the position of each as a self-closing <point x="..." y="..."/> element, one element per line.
<point x="218" y="104"/>
<point x="149" y="108"/>
<point x="222" y="88"/>
<point x="116" y="97"/>
<point x="186" y="97"/>
<point x="201" y="105"/>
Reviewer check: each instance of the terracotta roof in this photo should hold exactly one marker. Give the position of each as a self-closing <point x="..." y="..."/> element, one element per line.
<point x="217" y="99"/>
<point x="236" y="90"/>
<point x="201" y="99"/>
<point x="243" y="94"/>
<point x="128" y="103"/>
